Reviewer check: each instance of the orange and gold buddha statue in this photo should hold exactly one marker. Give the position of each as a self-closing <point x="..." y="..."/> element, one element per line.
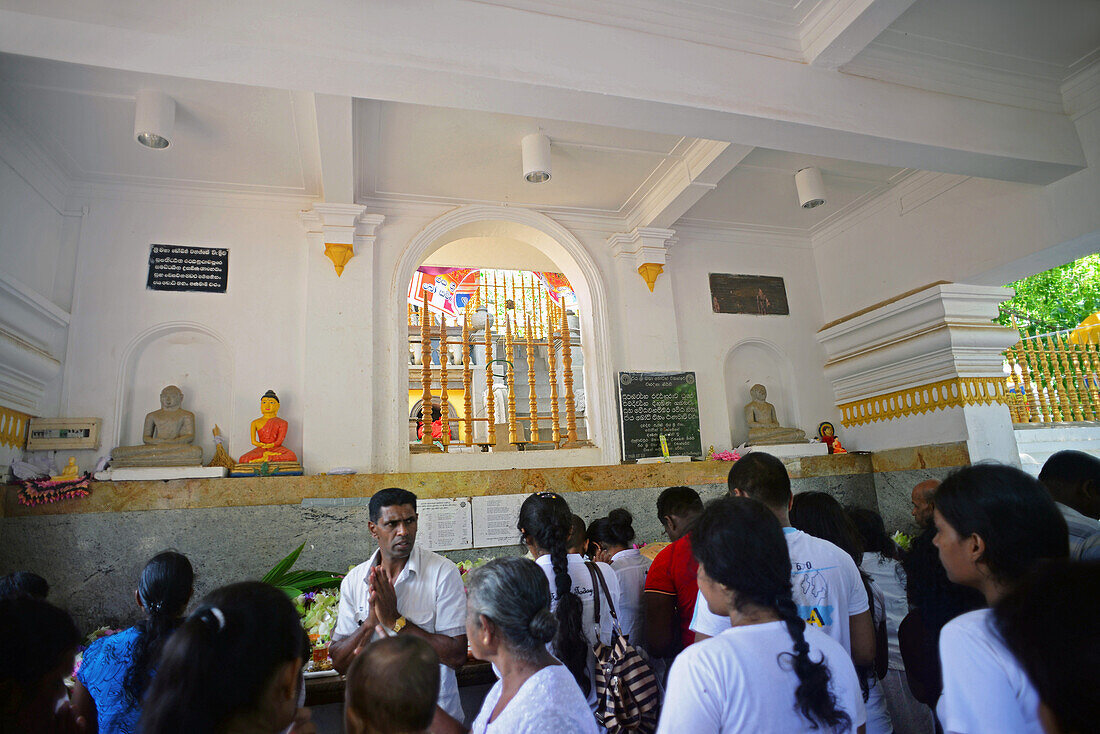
<point x="268" y="433"/>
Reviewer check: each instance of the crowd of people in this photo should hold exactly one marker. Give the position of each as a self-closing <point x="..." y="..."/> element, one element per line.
<point x="766" y="611"/>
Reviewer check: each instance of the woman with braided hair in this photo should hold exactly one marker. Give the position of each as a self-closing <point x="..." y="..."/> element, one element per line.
<point x="544" y="522"/>
<point x="769" y="671"/>
<point x="116" y="670"/>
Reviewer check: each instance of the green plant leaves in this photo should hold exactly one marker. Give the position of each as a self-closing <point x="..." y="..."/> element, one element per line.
<point x="298" y="582"/>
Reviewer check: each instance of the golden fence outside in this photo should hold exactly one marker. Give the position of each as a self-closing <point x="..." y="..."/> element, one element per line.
<point x="515" y="316"/>
<point x="13" y="428"/>
<point x="1053" y="378"/>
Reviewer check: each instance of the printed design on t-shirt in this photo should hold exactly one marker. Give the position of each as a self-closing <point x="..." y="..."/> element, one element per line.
<point x="811" y="592"/>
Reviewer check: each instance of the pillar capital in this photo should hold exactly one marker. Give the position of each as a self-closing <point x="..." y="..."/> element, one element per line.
<point x="924" y="367"/>
<point x="646" y="248"/>
<point x="341" y="228"/>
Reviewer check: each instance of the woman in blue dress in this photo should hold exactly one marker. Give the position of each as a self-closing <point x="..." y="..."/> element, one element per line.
<point x="116" y="670"/>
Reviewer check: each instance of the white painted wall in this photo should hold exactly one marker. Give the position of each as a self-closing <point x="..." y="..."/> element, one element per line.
<point x="977" y="231"/>
<point x="226" y="349"/>
<point x="777" y="351"/>
<point x="30" y="232"/>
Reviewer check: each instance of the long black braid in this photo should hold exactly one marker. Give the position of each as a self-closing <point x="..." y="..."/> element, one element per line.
<point x="545" y="520"/>
<point x="739" y="543"/>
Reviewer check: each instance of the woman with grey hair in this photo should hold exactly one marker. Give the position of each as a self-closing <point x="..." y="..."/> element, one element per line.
<point x="509" y="623"/>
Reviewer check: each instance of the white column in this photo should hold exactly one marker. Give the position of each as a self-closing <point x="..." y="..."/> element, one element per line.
<point x="924" y="368"/>
<point x="647" y="319"/>
<point x="339" y="338"/>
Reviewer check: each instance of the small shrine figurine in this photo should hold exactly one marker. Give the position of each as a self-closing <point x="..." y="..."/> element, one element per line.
<point x="827" y="434"/>
<point x="268" y="433"/>
<point x="69" y="473"/>
<point x="221" y="453"/>
<point x="764" y="428"/>
<point x="168" y="436"/>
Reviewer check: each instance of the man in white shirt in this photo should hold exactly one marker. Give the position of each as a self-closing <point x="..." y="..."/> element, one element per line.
<point x="406" y="589"/>
<point x="825" y="581"/>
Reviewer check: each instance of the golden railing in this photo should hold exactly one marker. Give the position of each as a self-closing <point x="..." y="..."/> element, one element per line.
<point x="1053" y="379"/>
<point x="521" y="318"/>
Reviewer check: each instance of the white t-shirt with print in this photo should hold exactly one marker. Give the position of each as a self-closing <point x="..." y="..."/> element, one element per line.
<point x="984" y="688"/>
<point x="582" y="587"/>
<point x="740" y="681"/>
<point x="549" y="702"/>
<point x="631" y="567"/>
<point x="825" y="583"/>
<point x="430" y="594"/>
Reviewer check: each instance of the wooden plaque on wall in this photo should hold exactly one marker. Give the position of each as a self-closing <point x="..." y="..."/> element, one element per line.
<point x="761" y="295"/>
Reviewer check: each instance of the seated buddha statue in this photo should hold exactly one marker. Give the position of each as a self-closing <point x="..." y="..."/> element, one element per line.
<point x="764" y="428"/>
<point x="268" y="433"/>
<point x="168" y="437"/>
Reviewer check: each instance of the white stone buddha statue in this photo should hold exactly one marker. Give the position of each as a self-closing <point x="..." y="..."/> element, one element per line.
<point x="168" y="437"/>
<point x="764" y="428"/>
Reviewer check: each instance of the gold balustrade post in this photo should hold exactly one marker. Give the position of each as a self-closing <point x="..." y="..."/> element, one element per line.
<point x="552" y="370"/>
<point x="490" y="400"/>
<point x="426" y="372"/>
<point x="1064" y="405"/>
<point x="1090" y="357"/>
<point x="1080" y="388"/>
<point x="567" y="378"/>
<point x="1037" y="376"/>
<point x="444" y="407"/>
<point x="1069" y="380"/>
<point x="533" y="423"/>
<point x="1015" y="403"/>
<point x="1031" y="405"/>
<point x="510" y="378"/>
<point x="467" y="380"/>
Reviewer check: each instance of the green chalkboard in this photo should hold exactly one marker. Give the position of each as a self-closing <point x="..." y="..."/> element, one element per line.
<point x="652" y="404"/>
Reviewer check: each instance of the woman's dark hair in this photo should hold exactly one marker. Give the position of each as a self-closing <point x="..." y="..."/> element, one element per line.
<point x="820" y="515"/>
<point x="872" y="532"/>
<point x="739" y="543"/>
<point x="1043" y="620"/>
<point x="220" y="660"/>
<point x="515" y="595"/>
<point x="615" y="529"/>
<point x="34" y="638"/>
<point x="1010" y="511"/>
<point x="23" y="583"/>
<point x="545" y="519"/>
<point x="165" y="588"/>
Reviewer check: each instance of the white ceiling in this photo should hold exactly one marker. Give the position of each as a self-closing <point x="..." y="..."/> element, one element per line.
<point x="760" y="191"/>
<point x="227" y="137"/>
<point x="432" y="153"/>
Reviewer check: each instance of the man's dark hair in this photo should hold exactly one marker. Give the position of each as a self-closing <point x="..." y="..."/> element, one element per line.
<point x="389" y="497"/>
<point x="384" y="706"/>
<point x="23" y="583"/>
<point x="762" y="477"/>
<point x="1065" y="472"/>
<point x="678" y="502"/>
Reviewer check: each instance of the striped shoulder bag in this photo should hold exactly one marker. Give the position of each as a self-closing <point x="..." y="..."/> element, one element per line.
<point x="628" y="699"/>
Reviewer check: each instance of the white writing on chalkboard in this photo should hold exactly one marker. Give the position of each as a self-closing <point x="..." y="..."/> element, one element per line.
<point x="655" y="404"/>
<point x="179" y="268"/>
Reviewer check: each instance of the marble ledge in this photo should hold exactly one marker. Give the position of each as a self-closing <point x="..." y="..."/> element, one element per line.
<point x="258" y="491"/>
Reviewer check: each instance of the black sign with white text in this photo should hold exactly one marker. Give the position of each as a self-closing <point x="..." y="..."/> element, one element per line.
<point x="179" y="268"/>
<point x="655" y="404"/>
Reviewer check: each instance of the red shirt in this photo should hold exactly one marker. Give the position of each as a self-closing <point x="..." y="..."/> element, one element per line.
<point x="673" y="572"/>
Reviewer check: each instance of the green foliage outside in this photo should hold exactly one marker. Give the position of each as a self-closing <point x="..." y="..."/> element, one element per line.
<point x="1056" y="299"/>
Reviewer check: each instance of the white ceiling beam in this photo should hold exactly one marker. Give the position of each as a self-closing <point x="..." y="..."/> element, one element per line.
<point x="481" y="57"/>
<point x="335" y="141"/>
<point x="702" y="164"/>
<point x="843" y="28"/>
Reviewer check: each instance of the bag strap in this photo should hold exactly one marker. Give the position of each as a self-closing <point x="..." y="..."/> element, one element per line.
<point x="595" y="593"/>
<point x="597" y="586"/>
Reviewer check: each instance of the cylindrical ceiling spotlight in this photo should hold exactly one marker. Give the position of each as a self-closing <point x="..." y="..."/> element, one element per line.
<point x="155" y="119"/>
<point x="536" y="158"/>
<point x="811" y="189"/>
